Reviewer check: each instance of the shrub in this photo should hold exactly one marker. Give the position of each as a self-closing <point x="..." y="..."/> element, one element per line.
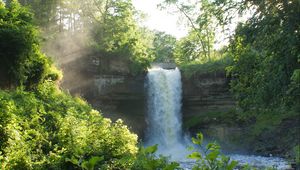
<point x="210" y="157"/>
<point x="47" y="128"/>
<point x="147" y="160"/>
<point x="22" y="62"/>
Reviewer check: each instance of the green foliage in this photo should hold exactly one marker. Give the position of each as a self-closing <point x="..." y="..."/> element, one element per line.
<point x="202" y="16"/>
<point x="108" y="28"/>
<point x="147" y="160"/>
<point x="265" y="55"/>
<point x="45" y="128"/>
<point x="296" y="155"/>
<point x="265" y="72"/>
<point x="193" y="68"/>
<point x="22" y="63"/>
<point x="210" y="158"/>
<point x="188" y="49"/>
<point x="44" y="13"/>
<point x="90" y="164"/>
<point x="86" y="164"/>
<point x="163" y="47"/>
<point x="116" y="34"/>
<point x="50" y="129"/>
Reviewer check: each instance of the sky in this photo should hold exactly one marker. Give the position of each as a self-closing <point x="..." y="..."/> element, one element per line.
<point x="163" y="21"/>
<point x="160" y="20"/>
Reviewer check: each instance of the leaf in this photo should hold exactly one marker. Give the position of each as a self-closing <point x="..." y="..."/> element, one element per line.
<point x="151" y="149"/>
<point x="225" y="159"/>
<point x="90" y="164"/>
<point x="85" y="165"/>
<point x="95" y="159"/>
<point x="232" y="165"/>
<point x="195" y="155"/>
<point x="198" y="140"/>
<point x="212" y="155"/>
<point x="172" y="166"/>
<point x="72" y="160"/>
<point x="190" y="148"/>
<point x="213" y="146"/>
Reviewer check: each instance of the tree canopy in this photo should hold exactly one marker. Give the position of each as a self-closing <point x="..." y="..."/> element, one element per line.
<point x="22" y="62"/>
<point x="43" y="127"/>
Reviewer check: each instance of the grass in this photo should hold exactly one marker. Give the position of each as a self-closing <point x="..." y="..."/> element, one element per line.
<point x="193" y="68"/>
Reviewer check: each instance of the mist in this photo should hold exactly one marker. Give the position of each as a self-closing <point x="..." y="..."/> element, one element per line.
<point x="72" y="55"/>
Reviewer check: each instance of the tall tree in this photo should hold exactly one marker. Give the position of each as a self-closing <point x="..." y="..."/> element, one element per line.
<point x="266" y="51"/>
<point x="22" y="63"/>
<point x="203" y="25"/>
<point x="163" y="47"/>
<point x="116" y="33"/>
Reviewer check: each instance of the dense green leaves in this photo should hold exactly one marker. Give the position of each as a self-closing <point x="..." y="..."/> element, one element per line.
<point x="217" y="65"/>
<point x="147" y="160"/>
<point x="151" y="149"/>
<point x="188" y="49"/>
<point x="108" y="28"/>
<point x="90" y="164"/>
<point x="116" y="34"/>
<point x="42" y="127"/>
<point x="48" y="128"/>
<point x="22" y="63"/>
<point x="163" y="47"/>
<point x="262" y="61"/>
<point x="265" y="51"/>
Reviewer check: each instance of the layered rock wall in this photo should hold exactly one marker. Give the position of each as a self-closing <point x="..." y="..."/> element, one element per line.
<point x="208" y="92"/>
<point x="108" y="85"/>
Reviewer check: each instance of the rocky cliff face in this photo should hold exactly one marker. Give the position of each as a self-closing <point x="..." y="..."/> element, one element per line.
<point x="206" y="105"/>
<point x="108" y="85"/>
<point x="204" y="93"/>
<point x="121" y="96"/>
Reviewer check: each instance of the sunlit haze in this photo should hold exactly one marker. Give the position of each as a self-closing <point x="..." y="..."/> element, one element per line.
<point x="164" y="21"/>
<point x="160" y="20"/>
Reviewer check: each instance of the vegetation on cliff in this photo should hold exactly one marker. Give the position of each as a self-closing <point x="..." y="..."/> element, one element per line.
<point x="22" y="63"/>
<point x="42" y="127"/>
<point x="263" y="63"/>
<point x="46" y="128"/>
<point x="108" y="28"/>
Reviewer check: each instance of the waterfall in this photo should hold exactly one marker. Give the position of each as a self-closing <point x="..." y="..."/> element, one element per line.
<point x="164" y="112"/>
<point x="164" y="121"/>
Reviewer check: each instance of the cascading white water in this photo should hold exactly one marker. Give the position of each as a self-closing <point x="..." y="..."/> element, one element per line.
<point x="164" y="115"/>
<point x="164" y="121"/>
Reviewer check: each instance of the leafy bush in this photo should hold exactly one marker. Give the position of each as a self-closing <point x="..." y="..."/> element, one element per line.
<point x="210" y="157"/>
<point x="265" y="73"/>
<point x="117" y="34"/>
<point x="22" y="63"/>
<point x="192" y="68"/>
<point x="50" y="129"/>
<point x="147" y="160"/>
